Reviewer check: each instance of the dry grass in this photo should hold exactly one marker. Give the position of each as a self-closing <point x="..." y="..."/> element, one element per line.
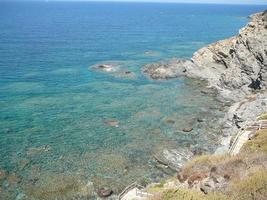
<point x="185" y="194"/>
<point x="253" y="187"/>
<point x="258" y="143"/>
<point x="222" y="165"/>
<point x="263" y="117"/>
<point x="245" y="174"/>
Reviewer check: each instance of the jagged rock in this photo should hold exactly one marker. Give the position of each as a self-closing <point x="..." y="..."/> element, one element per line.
<point x="234" y="66"/>
<point x="167" y="70"/>
<point x="173" y="158"/>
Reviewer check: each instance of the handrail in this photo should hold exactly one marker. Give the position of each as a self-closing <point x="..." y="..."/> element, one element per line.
<point x="128" y="188"/>
<point x="138" y="193"/>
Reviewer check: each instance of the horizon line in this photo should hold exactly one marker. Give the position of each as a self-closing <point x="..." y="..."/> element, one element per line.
<point x="134" y="1"/>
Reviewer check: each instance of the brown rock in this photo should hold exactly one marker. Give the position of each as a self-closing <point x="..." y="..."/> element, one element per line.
<point x="104" y="192"/>
<point x="112" y="122"/>
<point x="13" y="179"/>
<point x="187" y="129"/>
<point x="170" y="121"/>
<point x="196" y="178"/>
<point x="181" y="177"/>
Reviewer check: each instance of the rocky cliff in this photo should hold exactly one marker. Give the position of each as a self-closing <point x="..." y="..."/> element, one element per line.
<point x="235" y="66"/>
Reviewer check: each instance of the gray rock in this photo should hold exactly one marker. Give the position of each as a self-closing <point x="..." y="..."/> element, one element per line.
<point x="235" y="66"/>
<point x="173" y="158"/>
<point x="106" y="67"/>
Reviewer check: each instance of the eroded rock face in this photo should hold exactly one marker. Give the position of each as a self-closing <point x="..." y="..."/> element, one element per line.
<point x="234" y="66"/>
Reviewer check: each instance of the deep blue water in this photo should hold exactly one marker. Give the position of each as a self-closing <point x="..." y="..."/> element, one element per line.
<point x="53" y="107"/>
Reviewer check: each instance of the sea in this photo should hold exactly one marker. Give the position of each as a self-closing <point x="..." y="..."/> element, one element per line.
<point x="63" y="124"/>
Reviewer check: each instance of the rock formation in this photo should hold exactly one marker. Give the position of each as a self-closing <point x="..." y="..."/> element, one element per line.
<point x="235" y="66"/>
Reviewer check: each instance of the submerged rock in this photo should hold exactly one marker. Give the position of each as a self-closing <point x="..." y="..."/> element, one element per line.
<point x="13" y="179"/>
<point x="36" y="150"/>
<point x="173" y="158"/>
<point x="106" y="67"/>
<point x="24" y="163"/>
<point x="188" y="129"/>
<point x="2" y="175"/>
<point x="60" y="186"/>
<point x="112" y="122"/>
<point x="125" y="74"/>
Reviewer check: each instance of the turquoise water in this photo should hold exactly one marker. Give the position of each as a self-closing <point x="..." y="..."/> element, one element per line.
<point x="54" y="108"/>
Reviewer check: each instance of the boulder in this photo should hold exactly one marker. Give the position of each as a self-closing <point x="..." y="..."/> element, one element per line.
<point x="104" y="192"/>
<point x="188" y="129"/>
<point x="173" y="158"/>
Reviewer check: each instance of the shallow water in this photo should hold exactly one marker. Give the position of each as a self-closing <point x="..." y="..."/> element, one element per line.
<point x="54" y="108"/>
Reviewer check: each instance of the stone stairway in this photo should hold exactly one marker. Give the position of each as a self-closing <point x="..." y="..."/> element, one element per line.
<point x="245" y="135"/>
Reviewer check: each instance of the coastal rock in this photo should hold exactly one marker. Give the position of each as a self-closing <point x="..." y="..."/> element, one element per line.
<point x="235" y="66"/>
<point x="239" y="115"/>
<point x="167" y="70"/>
<point x="104" y="192"/>
<point x="173" y="158"/>
<point x="106" y="67"/>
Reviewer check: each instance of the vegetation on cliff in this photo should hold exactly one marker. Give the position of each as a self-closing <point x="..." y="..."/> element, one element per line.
<point x="243" y="176"/>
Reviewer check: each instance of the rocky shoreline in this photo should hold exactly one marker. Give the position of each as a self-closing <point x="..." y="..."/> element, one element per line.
<point x="235" y="67"/>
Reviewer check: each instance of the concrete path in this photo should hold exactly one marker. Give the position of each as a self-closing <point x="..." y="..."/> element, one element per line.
<point x="245" y="135"/>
